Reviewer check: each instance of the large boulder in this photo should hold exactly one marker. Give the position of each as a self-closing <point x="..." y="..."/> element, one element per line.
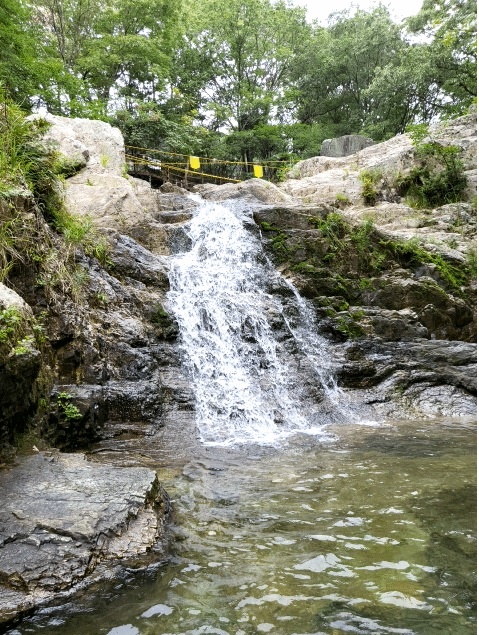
<point x="344" y="146"/>
<point x="101" y="188"/>
<point x="252" y="190"/>
<point x="419" y="378"/>
<point x="86" y="141"/>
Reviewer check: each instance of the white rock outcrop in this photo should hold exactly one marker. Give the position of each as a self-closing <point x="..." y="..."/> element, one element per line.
<point x="322" y="179"/>
<point x="102" y="189"/>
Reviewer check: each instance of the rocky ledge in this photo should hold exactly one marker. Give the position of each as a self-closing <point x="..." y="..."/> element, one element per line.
<point x="63" y="517"/>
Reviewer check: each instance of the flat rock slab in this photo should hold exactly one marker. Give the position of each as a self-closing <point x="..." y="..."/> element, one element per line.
<point x="61" y="515"/>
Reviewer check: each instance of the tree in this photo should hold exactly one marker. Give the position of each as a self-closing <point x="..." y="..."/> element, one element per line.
<point x="451" y="31"/>
<point x="239" y="53"/>
<point x="403" y="92"/>
<point x="333" y="74"/>
<point x="114" y="51"/>
<point x="17" y="61"/>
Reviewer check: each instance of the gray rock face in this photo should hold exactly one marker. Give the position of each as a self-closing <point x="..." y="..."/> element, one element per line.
<point x="253" y="190"/>
<point x="344" y="146"/>
<point x="62" y="516"/>
<point x="419" y="378"/>
<point x="20" y="364"/>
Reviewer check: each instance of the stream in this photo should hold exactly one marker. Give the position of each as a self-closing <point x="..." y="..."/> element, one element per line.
<point x="296" y="512"/>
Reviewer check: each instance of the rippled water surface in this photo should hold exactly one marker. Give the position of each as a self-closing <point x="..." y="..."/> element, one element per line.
<point x="372" y="531"/>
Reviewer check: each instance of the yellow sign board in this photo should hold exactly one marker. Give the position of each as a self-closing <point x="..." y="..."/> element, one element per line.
<point x="194" y="163"/>
<point x="258" y="171"/>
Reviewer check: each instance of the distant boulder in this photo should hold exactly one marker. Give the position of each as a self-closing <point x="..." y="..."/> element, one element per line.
<point x="344" y="146"/>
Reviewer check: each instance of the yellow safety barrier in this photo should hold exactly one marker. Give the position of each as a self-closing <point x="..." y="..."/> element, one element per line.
<point x="174" y="167"/>
<point x="258" y="171"/>
<point x="191" y="162"/>
<point x="208" y="159"/>
<point x="195" y="163"/>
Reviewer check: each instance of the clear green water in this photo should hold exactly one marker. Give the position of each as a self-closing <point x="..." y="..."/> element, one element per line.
<point x="373" y="532"/>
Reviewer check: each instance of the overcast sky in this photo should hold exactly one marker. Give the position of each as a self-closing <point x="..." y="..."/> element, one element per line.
<point x="320" y="10"/>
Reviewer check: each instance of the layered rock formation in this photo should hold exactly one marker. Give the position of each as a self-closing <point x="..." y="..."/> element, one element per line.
<point x="63" y="518"/>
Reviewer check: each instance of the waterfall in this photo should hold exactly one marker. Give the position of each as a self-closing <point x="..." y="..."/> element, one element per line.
<point x="247" y="349"/>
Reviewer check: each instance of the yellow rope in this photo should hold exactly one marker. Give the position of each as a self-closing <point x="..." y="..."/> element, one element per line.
<point x="174" y="168"/>
<point x="205" y="159"/>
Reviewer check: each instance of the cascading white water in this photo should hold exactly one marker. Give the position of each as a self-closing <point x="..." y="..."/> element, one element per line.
<point x="245" y="384"/>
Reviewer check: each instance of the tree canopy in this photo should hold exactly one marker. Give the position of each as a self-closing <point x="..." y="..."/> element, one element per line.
<point x="246" y="79"/>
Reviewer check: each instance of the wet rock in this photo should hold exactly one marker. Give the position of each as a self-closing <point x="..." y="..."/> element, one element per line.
<point x="62" y="516"/>
<point x="21" y="364"/>
<point x="276" y="217"/>
<point x="77" y="415"/>
<point x="134" y="261"/>
<point x="418" y="378"/>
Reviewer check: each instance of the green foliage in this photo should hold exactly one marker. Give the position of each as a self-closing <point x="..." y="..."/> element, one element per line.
<point x="438" y="178"/>
<point x="361" y="237"/>
<point x="451" y="30"/>
<point x="418" y="132"/>
<point x="249" y="44"/>
<point x="66" y="409"/>
<point x="66" y="167"/>
<point x="23" y="346"/>
<point x="364" y="238"/>
<point x="93" y="49"/>
<point x="11" y="325"/>
<point x="24" y="161"/>
<point x="333" y="227"/>
<point x="335" y="69"/>
<point x="79" y="231"/>
<point x="369" y="191"/>
<point x="18" y="65"/>
<point x="254" y="68"/>
<point x="14" y="326"/>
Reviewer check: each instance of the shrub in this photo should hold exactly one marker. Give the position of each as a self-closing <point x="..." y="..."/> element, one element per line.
<point x="438" y="179"/>
<point x="369" y="191"/>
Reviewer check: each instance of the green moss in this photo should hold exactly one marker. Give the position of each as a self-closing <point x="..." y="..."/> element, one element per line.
<point x="347" y="326"/>
<point x="278" y="243"/>
<point x="366" y="283"/>
<point x="306" y="267"/>
<point x="267" y="227"/>
<point x="413" y="253"/>
<point x="66" y="167"/>
<point x="342" y="201"/>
